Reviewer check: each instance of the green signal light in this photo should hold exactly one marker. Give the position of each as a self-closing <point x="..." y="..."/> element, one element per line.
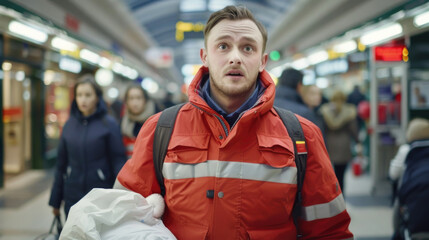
<point x="275" y="55"/>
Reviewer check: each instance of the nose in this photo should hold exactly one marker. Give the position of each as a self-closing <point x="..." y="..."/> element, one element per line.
<point x="235" y="57"/>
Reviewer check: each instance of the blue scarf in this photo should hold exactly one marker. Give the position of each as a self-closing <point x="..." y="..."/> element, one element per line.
<point x="232" y="117"/>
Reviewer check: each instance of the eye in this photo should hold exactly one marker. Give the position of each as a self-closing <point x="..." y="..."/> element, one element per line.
<point x="222" y="46"/>
<point x="248" y="48"/>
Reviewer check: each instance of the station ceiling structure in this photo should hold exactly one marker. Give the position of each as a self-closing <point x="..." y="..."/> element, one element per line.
<point x="292" y="25"/>
<point x="170" y="31"/>
<point x="178" y="25"/>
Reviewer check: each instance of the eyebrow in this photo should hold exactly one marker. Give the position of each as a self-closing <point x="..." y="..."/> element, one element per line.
<point x="222" y="37"/>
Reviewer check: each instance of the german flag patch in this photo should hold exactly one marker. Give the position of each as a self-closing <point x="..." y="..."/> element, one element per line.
<point x="301" y="147"/>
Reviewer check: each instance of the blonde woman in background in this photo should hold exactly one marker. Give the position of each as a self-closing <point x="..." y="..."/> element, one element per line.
<point x="312" y="97"/>
<point x="340" y="132"/>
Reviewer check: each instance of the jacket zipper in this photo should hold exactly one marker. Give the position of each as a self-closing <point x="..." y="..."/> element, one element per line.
<point x="225" y="128"/>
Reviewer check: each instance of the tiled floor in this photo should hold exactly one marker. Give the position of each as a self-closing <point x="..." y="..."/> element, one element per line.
<point x="371" y="215"/>
<point x="25" y="214"/>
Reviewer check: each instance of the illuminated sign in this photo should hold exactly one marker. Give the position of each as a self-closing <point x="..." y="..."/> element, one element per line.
<point x="391" y="54"/>
<point x="182" y="27"/>
<point x="275" y="55"/>
<point x="332" y="67"/>
<point x="70" y="65"/>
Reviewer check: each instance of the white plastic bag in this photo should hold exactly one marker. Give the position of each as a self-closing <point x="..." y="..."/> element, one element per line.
<point x="113" y="214"/>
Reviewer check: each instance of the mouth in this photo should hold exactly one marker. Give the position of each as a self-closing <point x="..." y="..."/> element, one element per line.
<point x="235" y="73"/>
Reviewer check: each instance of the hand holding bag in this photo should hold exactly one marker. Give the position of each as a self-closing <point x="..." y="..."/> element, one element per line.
<point x="52" y="235"/>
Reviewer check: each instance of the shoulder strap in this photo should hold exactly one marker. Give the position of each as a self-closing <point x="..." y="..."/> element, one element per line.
<point x="162" y="136"/>
<point x="295" y="131"/>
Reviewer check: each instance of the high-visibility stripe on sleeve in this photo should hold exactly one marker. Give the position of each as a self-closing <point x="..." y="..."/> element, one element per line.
<point x="225" y="169"/>
<point x="324" y="210"/>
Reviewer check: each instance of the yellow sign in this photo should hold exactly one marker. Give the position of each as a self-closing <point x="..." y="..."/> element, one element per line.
<point x="182" y="27"/>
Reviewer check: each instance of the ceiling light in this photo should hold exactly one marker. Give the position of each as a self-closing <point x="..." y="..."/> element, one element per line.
<point x="193" y="5"/>
<point x="318" y="57"/>
<point x="381" y="34"/>
<point x="89" y="56"/>
<point x="421" y="19"/>
<point x="118" y="68"/>
<point x="277" y="71"/>
<point x="19" y="76"/>
<point x="345" y="47"/>
<point x="104" y="62"/>
<point x="187" y="69"/>
<point x="300" y="64"/>
<point x="48" y="77"/>
<point x="104" y="77"/>
<point x="322" y="83"/>
<point x="215" y="5"/>
<point x="131" y="73"/>
<point x="150" y="85"/>
<point x="113" y="93"/>
<point x="7" y="66"/>
<point x="70" y="65"/>
<point x="62" y="44"/>
<point x="28" y="32"/>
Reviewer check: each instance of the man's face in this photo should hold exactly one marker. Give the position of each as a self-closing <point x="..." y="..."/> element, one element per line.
<point x="234" y="58"/>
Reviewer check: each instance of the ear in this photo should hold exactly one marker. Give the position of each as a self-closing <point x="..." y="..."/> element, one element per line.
<point x="203" y="56"/>
<point x="264" y="60"/>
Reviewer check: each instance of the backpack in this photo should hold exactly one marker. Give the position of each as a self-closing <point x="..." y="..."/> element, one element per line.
<point x="413" y="193"/>
<point x="164" y="129"/>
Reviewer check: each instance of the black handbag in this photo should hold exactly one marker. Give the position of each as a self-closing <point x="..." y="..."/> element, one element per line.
<point x="54" y="231"/>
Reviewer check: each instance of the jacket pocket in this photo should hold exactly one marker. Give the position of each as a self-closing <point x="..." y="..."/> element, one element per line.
<point x="183" y="229"/>
<point x="276" y="152"/>
<point x="73" y="189"/>
<point x="188" y="149"/>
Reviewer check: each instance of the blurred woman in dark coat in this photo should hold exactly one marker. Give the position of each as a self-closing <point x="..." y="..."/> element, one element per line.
<point x="90" y="152"/>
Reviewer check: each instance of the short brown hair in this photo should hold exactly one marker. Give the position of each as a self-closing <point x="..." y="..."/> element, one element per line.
<point x="234" y="13"/>
<point x="135" y="86"/>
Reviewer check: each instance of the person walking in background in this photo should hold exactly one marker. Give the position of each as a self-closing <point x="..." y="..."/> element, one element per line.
<point x="288" y="95"/>
<point x="340" y="132"/>
<point x="410" y="202"/>
<point x="138" y="108"/>
<point x="312" y="97"/>
<point x="229" y="171"/>
<point x="90" y="152"/>
<point x="355" y="98"/>
<point x="418" y="129"/>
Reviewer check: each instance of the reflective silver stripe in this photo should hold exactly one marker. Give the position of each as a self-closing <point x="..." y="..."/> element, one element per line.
<point x="222" y="169"/>
<point x="324" y="210"/>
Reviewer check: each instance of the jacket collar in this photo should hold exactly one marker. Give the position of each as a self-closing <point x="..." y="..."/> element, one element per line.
<point x="101" y="110"/>
<point x="264" y="103"/>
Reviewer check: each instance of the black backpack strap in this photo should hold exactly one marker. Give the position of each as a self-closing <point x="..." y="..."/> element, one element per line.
<point x="163" y="131"/>
<point x="295" y="131"/>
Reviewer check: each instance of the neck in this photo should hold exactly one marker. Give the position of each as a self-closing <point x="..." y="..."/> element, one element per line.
<point x="230" y="103"/>
<point x="86" y="114"/>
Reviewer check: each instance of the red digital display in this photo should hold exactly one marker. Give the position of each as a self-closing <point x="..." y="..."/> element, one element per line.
<point x="394" y="53"/>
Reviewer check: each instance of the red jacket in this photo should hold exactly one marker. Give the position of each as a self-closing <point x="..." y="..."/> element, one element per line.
<point x="250" y="170"/>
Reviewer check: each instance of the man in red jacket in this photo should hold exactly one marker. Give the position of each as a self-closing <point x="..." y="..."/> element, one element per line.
<point x="229" y="172"/>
